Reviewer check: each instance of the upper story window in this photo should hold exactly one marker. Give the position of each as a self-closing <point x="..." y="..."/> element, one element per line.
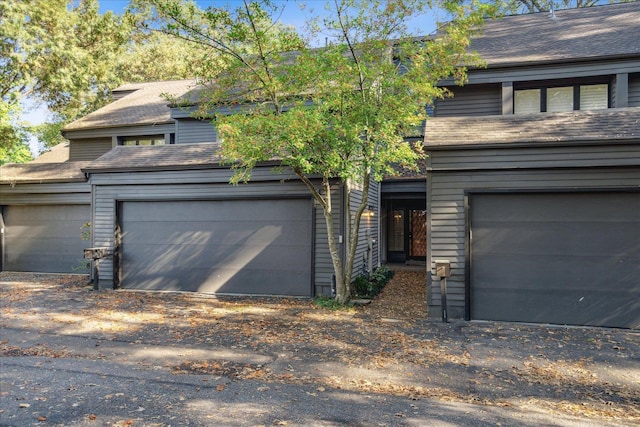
<point x="142" y="140"/>
<point x="561" y="98"/>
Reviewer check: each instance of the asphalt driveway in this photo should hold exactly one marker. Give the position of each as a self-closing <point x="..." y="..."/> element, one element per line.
<point x="72" y="356"/>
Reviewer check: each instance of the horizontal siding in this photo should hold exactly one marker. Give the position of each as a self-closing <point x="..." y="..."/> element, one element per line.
<point x="88" y="149"/>
<point x="99" y="133"/>
<point x="189" y="131"/>
<point x="447" y="215"/>
<point x="551" y="71"/>
<point x="38" y="194"/>
<point x="472" y="100"/>
<point x="546" y="156"/>
<point x="634" y="90"/>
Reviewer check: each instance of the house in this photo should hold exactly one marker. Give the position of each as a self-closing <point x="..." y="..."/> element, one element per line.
<point x="531" y="190"/>
<point x="533" y="182"/>
<point x="150" y="181"/>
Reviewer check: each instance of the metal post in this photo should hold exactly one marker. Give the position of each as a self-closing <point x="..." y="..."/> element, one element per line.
<point x="443" y="299"/>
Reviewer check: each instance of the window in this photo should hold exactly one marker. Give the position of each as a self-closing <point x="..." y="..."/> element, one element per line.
<point x="142" y="140"/>
<point x="527" y="101"/>
<point x="594" y="97"/>
<point x="561" y="98"/>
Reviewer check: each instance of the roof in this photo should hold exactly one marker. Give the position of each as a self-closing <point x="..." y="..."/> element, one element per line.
<point x="582" y="33"/>
<point x="142" y="104"/>
<point x="618" y="124"/>
<point x="56" y="154"/>
<point x="158" y="157"/>
<point x="42" y="172"/>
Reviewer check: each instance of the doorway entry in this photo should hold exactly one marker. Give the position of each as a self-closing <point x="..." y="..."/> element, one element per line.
<point x="406" y="231"/>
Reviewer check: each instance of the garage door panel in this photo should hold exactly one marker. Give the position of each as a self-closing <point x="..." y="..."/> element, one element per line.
<point x="234" y="247"/>
<point x="230" y="232"/>
<point x="597" y="307"/>
<point x="44" y="238"/>
<point x="569" y="258"/>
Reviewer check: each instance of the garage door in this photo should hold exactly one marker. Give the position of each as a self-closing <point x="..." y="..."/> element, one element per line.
<point x="44" y="238"/>
<point x="556" y="258"/>
<point x="258" y="247"/>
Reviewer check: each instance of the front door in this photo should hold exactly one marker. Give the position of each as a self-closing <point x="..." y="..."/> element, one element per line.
<point x="406" y="233"/>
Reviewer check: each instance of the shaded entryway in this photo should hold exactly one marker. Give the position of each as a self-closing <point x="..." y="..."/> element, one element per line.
<point x="404" y="221"/>
<point x="260" y="247"/>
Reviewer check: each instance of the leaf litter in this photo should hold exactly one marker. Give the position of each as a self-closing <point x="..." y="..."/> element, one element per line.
<point x="387" y="347"/>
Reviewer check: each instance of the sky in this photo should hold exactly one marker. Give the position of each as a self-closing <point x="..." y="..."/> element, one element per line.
<point x="295" y="13"/>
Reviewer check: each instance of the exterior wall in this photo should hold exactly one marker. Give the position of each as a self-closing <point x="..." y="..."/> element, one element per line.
<point x="109" y="188"/>
<point x="67" y="193"/>
<point x="634" y="90"/>
<point x="456" y="172"/>
<point x="368" y="250"/>
<point x="474" y="100"/>
<point x="88" y="149"/>
<point x="566" y="70"/>
<point x="190" y="131"/>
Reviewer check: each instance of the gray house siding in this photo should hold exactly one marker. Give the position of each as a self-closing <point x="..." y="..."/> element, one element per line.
<point x="110" y="189"/>
<point x="565" y="70"/>
<point x="367" y="252"/>
<point x="634" y="90"/>
<point x="455" y="173"/>
<point x="189" y="131"/>
<point x="473" y="100"/>
<point x="88" y="149"/>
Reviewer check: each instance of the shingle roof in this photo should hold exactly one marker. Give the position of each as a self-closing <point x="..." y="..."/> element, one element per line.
<point x="620" y="124"/>
<point x="584" y="33"/>
<point x="145" y="105"/>
<point x="140" y="158"/>
<point x="57" y="154"/>
<point x="42" y="172"/>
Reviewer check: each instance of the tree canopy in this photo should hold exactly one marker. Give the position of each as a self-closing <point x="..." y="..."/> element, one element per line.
<point x="343" y="111"/>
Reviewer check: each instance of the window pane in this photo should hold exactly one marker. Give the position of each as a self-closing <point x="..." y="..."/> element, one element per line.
<point x="526" y="101"/>
<point x="396" y="235"/>
<point x="560" y="99"/>
<point x="594" y="97"/>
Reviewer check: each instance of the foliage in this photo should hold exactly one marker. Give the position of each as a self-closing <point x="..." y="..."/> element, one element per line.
<point x="369" y="285"/>
<point x="59" y="52"/>
<point x="343" y="111"/>
<point x="13" y="137"/>
<point x="328" y="303"/>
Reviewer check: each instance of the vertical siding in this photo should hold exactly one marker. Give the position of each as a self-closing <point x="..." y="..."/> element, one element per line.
<point x="88" y="149"/>
<point x="189" y="131"/>
<point x="472" y="100"/>
<point x="446" y="202"/>
<point x="323" y="268"/>
<point x="369" y="229"/>
<point x="634" y="90"/>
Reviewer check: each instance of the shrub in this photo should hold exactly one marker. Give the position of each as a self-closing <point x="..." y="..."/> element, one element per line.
<point x="368" y="285"/>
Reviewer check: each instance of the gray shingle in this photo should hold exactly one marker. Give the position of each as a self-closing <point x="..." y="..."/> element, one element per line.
<point x="42" y="172"/>
<point x="180" y="156"/>
<point x="144" y="105"/>
<point x="585" y="33"/>
<point x="577" y="126"/>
